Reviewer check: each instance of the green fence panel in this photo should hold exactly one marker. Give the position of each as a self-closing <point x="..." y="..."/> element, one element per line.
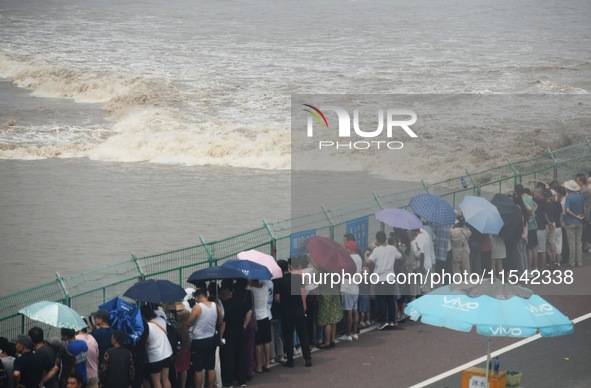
<point x="401" y="199"/>
<point x="90" y="289"/>
<point x="159" y="264"/>
<point x="454" y="190"/>
<point x="228" y="248"/>
<point x="11" y="322"/>
<point x="283" y="229"/>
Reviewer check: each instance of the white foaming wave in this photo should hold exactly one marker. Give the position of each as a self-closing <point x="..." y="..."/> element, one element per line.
<point x="559" y="88"/>
<point x="61" y="82"/>
<point x="152" y="123"/>
<point x="153" y="135"/>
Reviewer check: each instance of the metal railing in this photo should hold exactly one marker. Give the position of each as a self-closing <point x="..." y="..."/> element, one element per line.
<point x="85" y="291"/>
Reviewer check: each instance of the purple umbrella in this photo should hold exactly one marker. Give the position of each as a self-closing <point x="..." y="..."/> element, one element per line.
<point x="399" y="218"/>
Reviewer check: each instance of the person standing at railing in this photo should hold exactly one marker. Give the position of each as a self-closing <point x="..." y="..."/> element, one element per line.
<point x="459" y="246"/>
<point x="92" y="357"/>
<point x="574" y="208"/>
<point x="102" y="331"/>
<point x="582" y="181"/>
<point x="532" y="227"/>
<point x="78" y="349"/>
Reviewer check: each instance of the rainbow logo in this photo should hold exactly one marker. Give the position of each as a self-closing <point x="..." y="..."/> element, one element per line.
<point x="317" y="114"/>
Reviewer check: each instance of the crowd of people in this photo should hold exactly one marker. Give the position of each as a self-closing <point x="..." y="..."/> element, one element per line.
<point x="224" y="334"/>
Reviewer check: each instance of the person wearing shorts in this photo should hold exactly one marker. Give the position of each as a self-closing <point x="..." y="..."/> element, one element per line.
<point x="158" y="349"/>
<point x="262" y="292"/>
<point x="349" y="296"/>
<point x="205" y="317"/>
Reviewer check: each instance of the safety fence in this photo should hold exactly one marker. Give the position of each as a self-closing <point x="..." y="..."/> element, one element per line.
<point x="282" y="239"/>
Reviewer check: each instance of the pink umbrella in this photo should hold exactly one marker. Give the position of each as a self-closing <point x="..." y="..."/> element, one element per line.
<point x="329" y="256"/>
<point x="264" y="260"/>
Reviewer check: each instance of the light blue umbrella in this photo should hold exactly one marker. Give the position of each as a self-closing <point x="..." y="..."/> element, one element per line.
<point x="495" y="309"/>
<point x="433" y="209"/>
<point x="54" y="314"/>
<point x="399" y="218"/>
<point x="481" y="214"/>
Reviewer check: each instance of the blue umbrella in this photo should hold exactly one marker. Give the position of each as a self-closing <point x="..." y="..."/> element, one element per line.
<point x="495" y="309"/>
<point x="433" y="209"/>
<point x="126" y="317"/>
<point x="250" y="269"/>
<point x="399" y="218"/>
<point x="156" y="291"/>
<point x="215" y="273"/>
<point x="481" y="214"/>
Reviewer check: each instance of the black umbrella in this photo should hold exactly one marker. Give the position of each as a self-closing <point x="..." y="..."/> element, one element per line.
<point x="156" y="291"/>
<point x="215" y="273"/>
<point x="511" y="215"/>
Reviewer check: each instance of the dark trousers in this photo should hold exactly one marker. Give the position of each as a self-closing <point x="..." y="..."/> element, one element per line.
<point x="233" y="357"/>
<point x="386" y="308"/>
<point x="311" y="314"/>
<point x="289" y="321"/>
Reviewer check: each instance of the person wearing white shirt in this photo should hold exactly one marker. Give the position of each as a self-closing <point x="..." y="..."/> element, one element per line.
<point x="422" y="246"/>
<point x="349" y="295"/>
<point x="262" y="291"/>
<point x="384" y="257"/>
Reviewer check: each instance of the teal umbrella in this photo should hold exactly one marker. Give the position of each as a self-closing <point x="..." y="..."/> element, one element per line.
<point x="493" y="308"/>
<point x="54" y="314"/>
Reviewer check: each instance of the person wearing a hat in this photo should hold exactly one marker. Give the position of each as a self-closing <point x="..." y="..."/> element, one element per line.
<point x="29" y="367"/>
<point x="574" y="208"/>
<point x="102" y="332"/>
<point x="349" y="295"/>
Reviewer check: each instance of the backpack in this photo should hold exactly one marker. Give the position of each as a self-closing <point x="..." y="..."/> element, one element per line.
<point x="174" y="337"/>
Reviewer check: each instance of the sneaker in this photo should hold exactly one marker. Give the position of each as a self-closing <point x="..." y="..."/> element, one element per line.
<point x="308" y="362"/>
<point x="355" y="337"/>
<point x="346" y="338"/>
<point x="361" y="325"/>
<point x="243" y="385"/>
<point x="383" y="326"/>
<point x="367" y="323"/>
<point x="288" y="364"/>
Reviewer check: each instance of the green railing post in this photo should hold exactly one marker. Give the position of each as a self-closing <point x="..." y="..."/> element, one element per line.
<point x="273" y="241"/>
<point x="555" y="164"/>
<point x="375" y="196"/>
<point x="588" y="143"/>
<point x="425" y="186"/>
<point x="515" y="172"/>
<point x="331" y="227"/>
<point x="139" y="267"/>
<point x="209" y="254"/>
<point x="60" y="281"/>
<point x="475" y="187"/>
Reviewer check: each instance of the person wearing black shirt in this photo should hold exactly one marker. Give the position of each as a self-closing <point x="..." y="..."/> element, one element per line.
<point x="237" y="315"/>
<point x="287" y="292"/>
<point x="545" y="221"/>
<point x="29" y="368"/>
